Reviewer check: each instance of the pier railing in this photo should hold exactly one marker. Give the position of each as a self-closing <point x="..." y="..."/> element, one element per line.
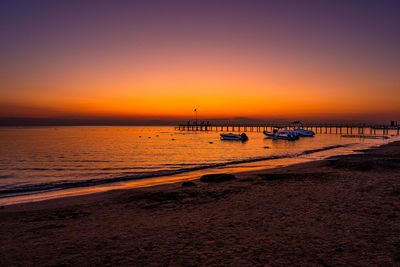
<point x="334" y="128"/>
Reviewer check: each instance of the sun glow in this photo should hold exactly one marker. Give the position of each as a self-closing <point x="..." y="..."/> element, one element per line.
<point x="262" y="68"/>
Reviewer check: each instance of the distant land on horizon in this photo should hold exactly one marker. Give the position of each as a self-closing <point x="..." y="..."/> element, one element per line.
<point x="115" y="121"/>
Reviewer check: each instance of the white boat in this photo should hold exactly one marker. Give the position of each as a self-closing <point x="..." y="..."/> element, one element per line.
<point x="289" y="134"/>
<point x="270" y="134"/>
<point x="236" y="137"/>
<point x="303" y="132"/>
<point x="283" y="134"/>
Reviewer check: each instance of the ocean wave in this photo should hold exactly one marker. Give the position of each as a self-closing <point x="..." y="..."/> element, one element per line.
<point x="81" y="168"/>
<point x="68" y="184"/>
<point x="7" y="176"/>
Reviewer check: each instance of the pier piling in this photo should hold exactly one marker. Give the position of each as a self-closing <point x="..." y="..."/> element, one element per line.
<point x="362" y="129"/>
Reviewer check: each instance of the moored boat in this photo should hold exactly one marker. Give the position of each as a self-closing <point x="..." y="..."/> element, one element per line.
<point x="235" y="137"/>
<point x="270" y="134"/>
<point x="303" y="132"/>
<point x="289" y="134"/>
<point x="283" y="134"/>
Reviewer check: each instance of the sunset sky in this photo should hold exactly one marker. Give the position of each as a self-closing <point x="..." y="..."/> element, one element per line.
<point x="161" y="59"/>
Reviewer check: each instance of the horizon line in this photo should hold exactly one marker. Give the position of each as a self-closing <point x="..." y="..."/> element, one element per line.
<point x="118" y="121"/>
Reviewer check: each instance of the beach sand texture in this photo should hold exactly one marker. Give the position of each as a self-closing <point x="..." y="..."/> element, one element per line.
<point x="340" y="211"/>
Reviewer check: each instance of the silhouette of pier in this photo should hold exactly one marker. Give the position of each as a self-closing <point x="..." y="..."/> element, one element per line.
<point x="348" y="129"/>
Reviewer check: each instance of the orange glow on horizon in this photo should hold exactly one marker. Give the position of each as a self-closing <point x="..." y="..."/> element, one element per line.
<point x="215" y="93"/>
<point x="224" y="67"/>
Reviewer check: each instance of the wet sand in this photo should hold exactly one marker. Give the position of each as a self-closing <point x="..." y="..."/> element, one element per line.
<point x="340" y="211"/>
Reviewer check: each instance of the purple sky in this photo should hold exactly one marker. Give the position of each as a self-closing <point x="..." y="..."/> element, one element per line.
<point x="50" y="49"/>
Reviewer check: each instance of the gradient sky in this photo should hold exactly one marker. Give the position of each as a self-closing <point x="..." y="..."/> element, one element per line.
<point x="161" y="59"/>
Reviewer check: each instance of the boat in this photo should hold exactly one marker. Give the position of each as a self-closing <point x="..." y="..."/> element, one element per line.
<point x="235" y="137"/>
<point x="283" y="134"/>
<point x="288" y="135"/>
<point x="303" y="132"/>
<point x="270" y="134"/>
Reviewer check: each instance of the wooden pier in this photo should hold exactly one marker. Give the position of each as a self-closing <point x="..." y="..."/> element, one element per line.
<point x="348" y="129"/>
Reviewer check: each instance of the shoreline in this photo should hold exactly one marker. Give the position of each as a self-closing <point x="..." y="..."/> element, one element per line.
<point x="178" y="177"/>
<point x="338" y="211"/>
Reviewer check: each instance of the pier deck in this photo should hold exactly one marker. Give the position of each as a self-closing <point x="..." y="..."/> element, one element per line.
<point x="349" y="129"/>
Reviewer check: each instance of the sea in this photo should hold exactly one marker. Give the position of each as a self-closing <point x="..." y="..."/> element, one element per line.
<point x="38" y="163"/>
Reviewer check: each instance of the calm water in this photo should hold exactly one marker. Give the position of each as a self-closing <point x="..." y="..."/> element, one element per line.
<point x="39" y="163"/>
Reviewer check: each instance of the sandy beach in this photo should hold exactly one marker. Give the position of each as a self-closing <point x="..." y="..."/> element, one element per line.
<point x="340" y="211"/>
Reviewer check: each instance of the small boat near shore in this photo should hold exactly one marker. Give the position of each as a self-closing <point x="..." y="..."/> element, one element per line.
<point x="269" y="134"/>
<point x="234" y="137"/>
<point x="283" y="134"/>
<point x="303" y="132"/>
<point x="298" y="128"/>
